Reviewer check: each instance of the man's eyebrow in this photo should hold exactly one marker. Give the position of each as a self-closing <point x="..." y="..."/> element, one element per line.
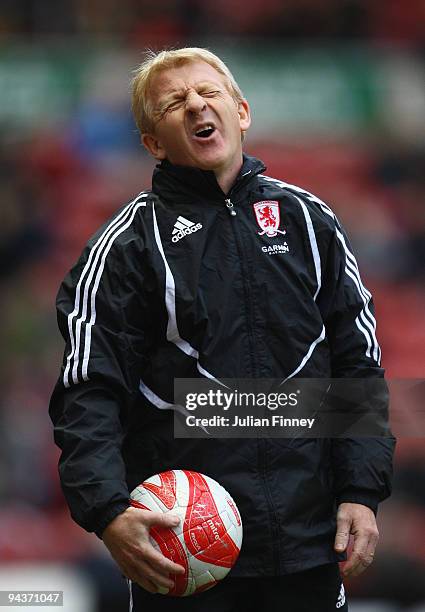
<point x="209" y="84"/>
<point x="178" y="91"/>
<point x="171" y="95"/>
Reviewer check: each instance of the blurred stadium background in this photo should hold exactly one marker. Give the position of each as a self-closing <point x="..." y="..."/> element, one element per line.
<point x="337" y="89"/>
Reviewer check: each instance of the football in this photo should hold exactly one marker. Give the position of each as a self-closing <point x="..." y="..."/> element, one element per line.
<point x="208" y="539"/>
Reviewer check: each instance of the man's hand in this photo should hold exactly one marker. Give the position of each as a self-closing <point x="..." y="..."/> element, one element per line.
<point x="127" y="538"/>
<point x="359" y="521"/>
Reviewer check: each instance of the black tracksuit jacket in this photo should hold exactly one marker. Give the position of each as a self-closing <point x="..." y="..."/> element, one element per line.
<point x="178" y="285"/>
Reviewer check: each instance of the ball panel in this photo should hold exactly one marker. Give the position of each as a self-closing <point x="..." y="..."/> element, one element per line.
<point x="144" y="497"/>
<point x="234" y="512"/>
<point x="235" y="531"/>
<point x="218" y="573"/>
<point x="182" y="490"/>
<point x="204" y="582"/>
<point x="165" y="491"/>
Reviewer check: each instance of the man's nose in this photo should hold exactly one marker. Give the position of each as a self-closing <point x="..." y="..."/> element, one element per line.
<point x="195" y="103"/>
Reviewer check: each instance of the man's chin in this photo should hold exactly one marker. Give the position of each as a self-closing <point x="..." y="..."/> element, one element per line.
<point x="212" y="161"/>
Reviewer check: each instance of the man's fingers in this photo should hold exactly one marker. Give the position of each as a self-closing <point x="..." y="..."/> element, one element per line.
<point x="361" y="557"/>
<point x="146" y="571"/>
<point x="341" y="540"/>
<point x="358" y="555"/>
<point x="145" y="575"/>
<point x="357" y="564"/>
<point x="343" y="527"/>
<point x="371" y="547"/>
<point x="155" y="558"/>
<point x="353" y="563"/>
<point x="157" y="519"/>
<point x="161" y="563"/>
<point x="147" y="585"/>
<point x="365" y="558"/>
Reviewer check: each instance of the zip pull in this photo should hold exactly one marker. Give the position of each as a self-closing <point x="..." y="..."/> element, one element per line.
<point x="230" y="207"/>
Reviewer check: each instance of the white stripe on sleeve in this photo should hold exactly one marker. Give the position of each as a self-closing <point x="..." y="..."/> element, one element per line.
<point x="368" y="329"/>
<point x="314" y="248"/>
<point x="86" y="278"/>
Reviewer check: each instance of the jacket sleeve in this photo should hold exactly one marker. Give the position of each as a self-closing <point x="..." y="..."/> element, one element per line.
<point x="101" y="318"/>
<point x="362" y="466"/>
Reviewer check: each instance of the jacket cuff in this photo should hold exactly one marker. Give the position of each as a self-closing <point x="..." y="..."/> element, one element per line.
<point x="109" y="516"/>
<point x="357" y="496"/>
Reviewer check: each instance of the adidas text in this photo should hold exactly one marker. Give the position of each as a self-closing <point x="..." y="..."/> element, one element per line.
<point x="186" y="231"/>
<point x="341" y="597"/>
<point x="183" y="227"/>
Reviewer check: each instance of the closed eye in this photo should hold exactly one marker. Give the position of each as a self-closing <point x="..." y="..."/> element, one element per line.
<point x="211" y="93"/>
<point x="174" y="105"/>
<point x="160" y="114"/>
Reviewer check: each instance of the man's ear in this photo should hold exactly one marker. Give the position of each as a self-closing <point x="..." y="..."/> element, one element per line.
<point x="244" y="113"/>
<point x="153" y="145"/>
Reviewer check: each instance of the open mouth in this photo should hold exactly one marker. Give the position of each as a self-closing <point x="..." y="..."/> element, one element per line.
<point x="205" y="132"/>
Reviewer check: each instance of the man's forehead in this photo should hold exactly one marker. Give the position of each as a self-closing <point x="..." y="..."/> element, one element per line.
<point x="179" y="78"/>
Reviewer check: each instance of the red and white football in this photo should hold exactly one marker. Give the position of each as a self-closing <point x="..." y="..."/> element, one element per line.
<point x="208" y="539"/>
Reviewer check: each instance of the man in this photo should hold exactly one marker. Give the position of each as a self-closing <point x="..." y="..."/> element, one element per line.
<point x="181" y="284"/>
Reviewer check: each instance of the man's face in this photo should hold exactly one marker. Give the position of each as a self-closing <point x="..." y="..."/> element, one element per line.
<point x="196" y="120"/>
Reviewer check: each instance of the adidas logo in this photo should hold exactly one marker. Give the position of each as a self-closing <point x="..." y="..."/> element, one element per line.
<point x="341" y="597"/>
<point x="183" y="227"/>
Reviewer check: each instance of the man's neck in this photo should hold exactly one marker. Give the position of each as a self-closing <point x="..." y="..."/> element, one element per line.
<point x="226" y="178"/>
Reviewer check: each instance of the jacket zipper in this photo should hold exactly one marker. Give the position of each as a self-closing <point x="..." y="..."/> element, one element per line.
<point x="246" y="289"/>
<point x="274" y="522"/>
<point x="262" y="458"/>
<point x="230" y="207"/>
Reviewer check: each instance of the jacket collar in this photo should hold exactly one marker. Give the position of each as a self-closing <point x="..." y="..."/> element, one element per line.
<point x="180" y="182"/>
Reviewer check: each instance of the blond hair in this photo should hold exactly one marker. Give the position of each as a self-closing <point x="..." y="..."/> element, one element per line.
<point x="156" y="62"/>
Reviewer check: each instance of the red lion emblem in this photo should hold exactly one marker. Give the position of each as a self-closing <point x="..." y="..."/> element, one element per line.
<point x="267" y="214"/>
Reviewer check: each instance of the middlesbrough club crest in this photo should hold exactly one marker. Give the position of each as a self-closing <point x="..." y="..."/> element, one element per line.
<point x="267" y="214"/>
